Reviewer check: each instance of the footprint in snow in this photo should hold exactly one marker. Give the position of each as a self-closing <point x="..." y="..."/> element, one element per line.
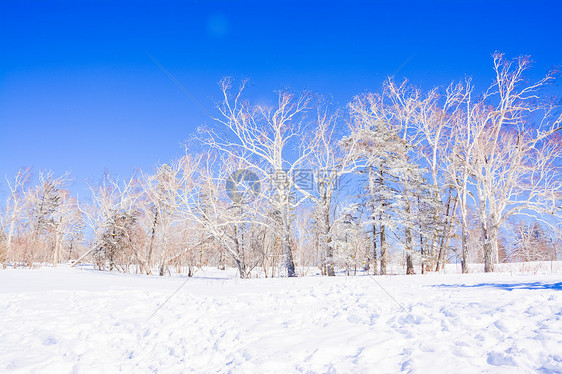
<point x="49" y="340"/>
<point x="499" y="359"/>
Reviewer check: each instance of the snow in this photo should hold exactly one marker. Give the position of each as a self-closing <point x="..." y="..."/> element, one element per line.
<point x="77" y="320"/>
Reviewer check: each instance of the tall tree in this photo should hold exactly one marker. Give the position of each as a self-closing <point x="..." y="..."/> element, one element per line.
<point x="14" y="211"/>
<point x="516" y="152"/>
<point x="262" y="137"/>
<point x="395" y="182"/>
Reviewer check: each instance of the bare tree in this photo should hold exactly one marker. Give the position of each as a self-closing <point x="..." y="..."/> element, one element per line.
<point x="46" y="213"/>
<point x="458" y="166"/>
<point x="113" y="217"/>
<point x="262" y="137"/>
<point x="162" y="216"/>
<point x="14" y="210"/>
<point x="68" y="226"/>
<point x="330" y="160"/>
<point x="515" y="153"/>
<point x="532" y="243"/>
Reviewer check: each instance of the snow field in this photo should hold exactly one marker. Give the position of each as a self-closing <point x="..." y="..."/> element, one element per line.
<point x="62" y="320"/>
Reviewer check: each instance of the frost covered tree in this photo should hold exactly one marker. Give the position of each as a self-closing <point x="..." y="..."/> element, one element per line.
<point x="46" y="212"/>
<point x="517" y="148"/>
<point x="458" y="167"/>
<point x="113" y="217"/>
<point x="181" y="233"/>
<point x="427" y="165"/>
<point x="329" y="161"/>
<point x="532" y="243"/>
<point x="41" y="221"/>
<point x="349" y="242"/>
<point x="228" y="227"/>
<point x="13" y="212"/>
<point x="395" y="183"/>
<point x="161" y="207"/>
<point x="262" y="136"/>
<point x="433" y="119"/>
<point x="382" y="148"/>
<point x="68" y="227"/>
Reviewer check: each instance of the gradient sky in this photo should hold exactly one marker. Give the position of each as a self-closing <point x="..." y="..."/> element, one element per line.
<point x="79" y="92"/>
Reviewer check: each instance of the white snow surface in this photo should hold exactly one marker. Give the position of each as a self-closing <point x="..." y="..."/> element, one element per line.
<point x="78" y="320"/>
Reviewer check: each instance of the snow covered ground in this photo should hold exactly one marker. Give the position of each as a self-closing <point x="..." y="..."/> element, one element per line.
<point x="63" y="320"/>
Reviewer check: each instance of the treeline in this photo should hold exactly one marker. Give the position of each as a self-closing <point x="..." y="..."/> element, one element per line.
<point x="398" y="176"/>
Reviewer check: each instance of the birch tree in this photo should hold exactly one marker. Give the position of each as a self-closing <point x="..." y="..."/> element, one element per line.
<point x="263" y="137"/>
<point x="14" y="210"/>
<point x="68" y="226"/>
<point x="329" y="161"/>
<point x="516" y="151"/>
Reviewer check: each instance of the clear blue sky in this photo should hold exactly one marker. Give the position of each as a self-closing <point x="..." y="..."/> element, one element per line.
<point x="78" y="91"/>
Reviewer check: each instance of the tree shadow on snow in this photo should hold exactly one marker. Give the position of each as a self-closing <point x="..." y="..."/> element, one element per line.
<point x="509" y="286"/>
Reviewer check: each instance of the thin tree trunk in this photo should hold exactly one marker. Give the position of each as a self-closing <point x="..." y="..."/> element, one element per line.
<point x="330" y="268"/>
<point x="58" y="244"/>
<point x="289" y="263"/>
<point x="422" y="249"/>
<point x="447" y="229"/>
<point x="464" y="229"/>
<point x="409" y="246"/>
<point x="152" y="237"/>
<point x="382" y="232"/>
<point x="375" y="272"/>
<point x="239" y="252"/>
<point x="9" y="239"/>
<point x="464" y="244"/>
<point x="422" y="252"/>
<point x="446" y="236"/>
<point x="383" y="250"/>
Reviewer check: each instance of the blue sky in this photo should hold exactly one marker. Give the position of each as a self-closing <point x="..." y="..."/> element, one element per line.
<point x="79" y="92"/>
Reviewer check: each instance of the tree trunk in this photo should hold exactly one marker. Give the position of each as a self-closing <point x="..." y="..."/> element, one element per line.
<point x="464" y="222"/>
<point x="422" y="249"/>
<point x="488" y="263"/>
<point x="383" y="251"/>
<point x="409" y="249"/>
<point x="330" y="268"/>
<point x="422" y="252"/>
<point x="495" y="247"/>
<point x="446" y="231"/>
<point x="441" y="249"/>
<point x="241" y="268"/>
<point x="58" y="244"/>
<point x="152" y="237"/>
<point x="289" y="263"/>
<point x="382" y="228"/>
<point x="375" y="272"/>
<point x="9" y="238"/>
<point x="490" y="247"/>
<point x="409" y="264"/>
<point x="409" y="246"/>
<point x="289" y="257"/>
<point x="464" y="244"/>
<point x="240" y="264"/>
